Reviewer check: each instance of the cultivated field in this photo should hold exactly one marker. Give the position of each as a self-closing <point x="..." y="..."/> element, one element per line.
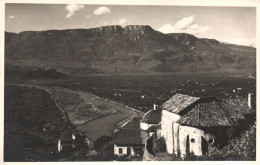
<point x="91" y="115"/>
<point x="141" y="91"/>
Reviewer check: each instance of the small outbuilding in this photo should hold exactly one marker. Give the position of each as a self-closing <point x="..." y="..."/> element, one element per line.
<point x="128" y="139"/>
<point x="127" y="142"/>
<point x="151" y="118"/>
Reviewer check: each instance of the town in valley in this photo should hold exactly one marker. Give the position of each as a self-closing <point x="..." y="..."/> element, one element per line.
<point x="108" y="83"/>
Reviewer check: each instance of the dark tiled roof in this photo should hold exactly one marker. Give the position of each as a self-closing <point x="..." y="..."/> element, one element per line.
<point x="178" y="103"/>
<point x="127" y="137"/>
<point x="216" y="113"/>
<point x="133" y="123"/>
<point x="240" y="105"/>
<point x="152" y="117"/>
<point x="153" y="128"/>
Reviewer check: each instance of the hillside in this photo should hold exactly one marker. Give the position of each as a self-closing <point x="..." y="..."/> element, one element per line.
<point x="132" y="49"/>
<point x="23" y="73"/>
<point x="32" y="126"/>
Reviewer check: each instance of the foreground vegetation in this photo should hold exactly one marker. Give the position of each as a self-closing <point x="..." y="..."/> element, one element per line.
<point x="32" y="127"/>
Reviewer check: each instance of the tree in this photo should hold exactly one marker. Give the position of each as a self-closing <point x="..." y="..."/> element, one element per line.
<point x="104" y="148"/>
<point x="159" y="145"/>
<point x="101" y="141"/>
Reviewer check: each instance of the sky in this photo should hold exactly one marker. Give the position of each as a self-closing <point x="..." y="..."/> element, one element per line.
<point x="227" y="24"/>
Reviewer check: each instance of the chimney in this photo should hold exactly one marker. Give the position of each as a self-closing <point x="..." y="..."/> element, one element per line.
<point x="155" y="106"/>
<point x="250" y="100"/>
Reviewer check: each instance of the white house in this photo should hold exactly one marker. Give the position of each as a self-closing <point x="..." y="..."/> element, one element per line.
<point x="128" y="139"/>
<point x="127" y="142"/>
<point x="192" y="124"/>
<point x="170" y="115"/>
<point x="150" y="118"/>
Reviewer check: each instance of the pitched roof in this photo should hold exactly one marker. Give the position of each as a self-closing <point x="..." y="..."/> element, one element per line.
<point x="133" y="123"/>
<point x="127" y="137"/>
<point x="205" y="115"/>
<point x="153" y="128"/>
<point x="216" y="113"/>
<point x="239" y="104"/>
<point x="152" y="117"/>
<point x="178" y="103"/>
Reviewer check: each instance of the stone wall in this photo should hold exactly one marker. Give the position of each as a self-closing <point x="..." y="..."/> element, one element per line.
<point x="149" y="155"/>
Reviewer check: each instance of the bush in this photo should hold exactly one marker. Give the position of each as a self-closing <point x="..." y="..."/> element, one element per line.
<point x="101" y="142"/>
<point x="239" y="148"/>
<point x="159" y="145"/>
<point x="104" y="148"/>
<point x="107" y="152"/>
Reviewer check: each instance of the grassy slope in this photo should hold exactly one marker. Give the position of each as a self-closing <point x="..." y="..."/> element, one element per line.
<point x="27" y="112"/>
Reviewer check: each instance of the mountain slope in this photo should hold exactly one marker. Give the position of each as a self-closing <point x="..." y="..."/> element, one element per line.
<point x="133" y="49"/>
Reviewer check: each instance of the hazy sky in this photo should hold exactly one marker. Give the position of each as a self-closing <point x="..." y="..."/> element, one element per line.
<point x="230" y="24"/>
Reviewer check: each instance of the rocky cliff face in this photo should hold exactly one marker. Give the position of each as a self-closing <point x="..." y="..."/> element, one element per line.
<point x="93" y="32"/>
<point x="138" y="29"/>
<point x="134" y="48"/>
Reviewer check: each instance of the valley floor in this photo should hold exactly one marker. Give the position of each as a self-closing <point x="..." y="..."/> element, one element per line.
<point x="93" y="116"/>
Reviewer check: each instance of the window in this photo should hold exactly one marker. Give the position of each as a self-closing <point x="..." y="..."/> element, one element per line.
<point x="192" y="140"/>
<point x="120" y="150"/>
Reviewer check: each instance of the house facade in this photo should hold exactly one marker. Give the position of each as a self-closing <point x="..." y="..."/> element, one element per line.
<point x="121" y="150"/>
<point x="128" y="140"/>
<point x="192" y="124"/>
<point x="188" y="124"/>
<point x="176" y="135"/>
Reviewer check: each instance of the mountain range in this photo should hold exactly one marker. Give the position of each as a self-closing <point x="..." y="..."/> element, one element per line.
<point x="132" y="49"/>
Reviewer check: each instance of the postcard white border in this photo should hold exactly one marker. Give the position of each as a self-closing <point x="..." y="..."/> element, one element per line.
<point x="238" y="3"/>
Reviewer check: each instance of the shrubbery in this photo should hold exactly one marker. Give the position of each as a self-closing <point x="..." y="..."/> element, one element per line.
<point x="105" y="148"/>
<point x="239" y="148"/>
<point x="159" y="145"/>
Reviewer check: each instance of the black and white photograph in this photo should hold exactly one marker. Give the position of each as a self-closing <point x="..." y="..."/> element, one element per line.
<point x="104" y="81"/>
